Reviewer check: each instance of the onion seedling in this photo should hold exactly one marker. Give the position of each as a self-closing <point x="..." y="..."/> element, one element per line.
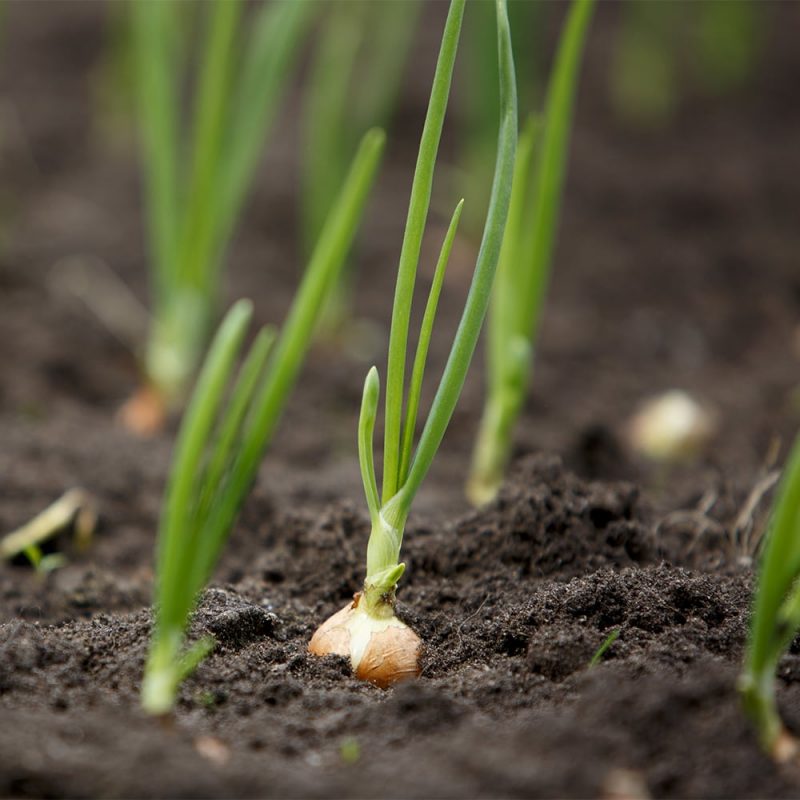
<point x="776" y="613"/>
<point x="525" y="262"/>
<point x="193" y="202"/>
<point x="219" y="449"/>
<point x="604" y="648"/>
<point x="381" y="648"/>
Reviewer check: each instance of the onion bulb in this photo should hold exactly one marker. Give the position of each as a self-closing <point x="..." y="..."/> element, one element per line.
<point x="671" y="427"/>
<point x="382" y="649"/>
<point x="144" y="414"/>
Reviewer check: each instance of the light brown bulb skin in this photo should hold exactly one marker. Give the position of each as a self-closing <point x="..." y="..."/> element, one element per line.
<point x="381" y="651"/>
<point x="145" y="413"/>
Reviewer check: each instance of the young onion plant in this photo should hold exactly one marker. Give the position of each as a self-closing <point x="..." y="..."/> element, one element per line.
<point x="381" y="648"/>
<point x="776" y="614"/>
<point x="221" y="443"/>
<point x="523" y="272"/>
<point x="194" y="194"/>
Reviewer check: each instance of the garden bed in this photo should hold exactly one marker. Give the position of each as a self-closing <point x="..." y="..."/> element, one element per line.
<point x="677" y="266"/>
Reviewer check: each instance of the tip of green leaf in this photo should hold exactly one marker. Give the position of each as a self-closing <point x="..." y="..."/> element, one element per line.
<point x="374" y="137"/>
<point x="242" y="308"/>
<point x="372" y="382"/>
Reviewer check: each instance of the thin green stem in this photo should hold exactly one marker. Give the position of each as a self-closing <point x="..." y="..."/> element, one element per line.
<point x="228" y="438"/>
<point x="366" y="429"/>
<point x="551" y="164"/>
<point x="209" y="129"/>
<point x="493" y="443"/>
<point x="154" y="34"/>
<point x="173" y="596"/>
<point x="505" y="305"/>
<point x="412" y="242"/>
<point x="469" y="327"/>
<point x="426" y="329"/>
<point x="775" y="617"/>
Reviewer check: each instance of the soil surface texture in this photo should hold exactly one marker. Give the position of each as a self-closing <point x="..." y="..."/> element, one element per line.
<point x="677" y="267"/>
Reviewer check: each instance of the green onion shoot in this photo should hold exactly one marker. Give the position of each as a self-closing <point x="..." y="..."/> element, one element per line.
<point x="604" y="648"/>
<point x="221" y="443"/>
<point x="523" y="272"/>
<point x="194" y="194"/>
<point x="381" y="648"/>
<point x="776" y="614"/>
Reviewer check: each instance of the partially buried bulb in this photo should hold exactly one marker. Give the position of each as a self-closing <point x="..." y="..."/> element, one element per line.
<point x="382" y="649"/>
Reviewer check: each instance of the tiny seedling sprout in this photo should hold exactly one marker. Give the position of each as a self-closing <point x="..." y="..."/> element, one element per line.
<point x="381" y="648"/>
<point x="193" y="198"/>
<point x="776" y="614"/>
<point x="522" y="274"/>
<point x="220" y="444"/>
<point x="604" y="648"/>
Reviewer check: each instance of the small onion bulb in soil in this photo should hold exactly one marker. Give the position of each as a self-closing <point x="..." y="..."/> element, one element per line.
<point x="671" y="427"/>
<point x="145" y="413"/>
<point x="382" y="649"/>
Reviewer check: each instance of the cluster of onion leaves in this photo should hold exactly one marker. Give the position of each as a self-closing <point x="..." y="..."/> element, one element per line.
<point x="194" y="192"/>
<point x="381" y="648"/>
<point x="776" y="614"/>
<point x="225" y="431"/>
<point x="525" y="261"/>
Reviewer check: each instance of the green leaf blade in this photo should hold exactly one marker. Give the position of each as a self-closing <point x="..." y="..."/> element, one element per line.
<point x="153" y="36"/>
<point x="199" y="226"/>
<point x="426" y="330"/>
<point x="295" y="336"/>
<point x="233" y="420"/>
<point x="366" y="429"/>
<point x="536" y="249"/>
<point x="505" y="303"/>
<point x="175" y="595"/>
<point x="469" y="327"/>
<point x="410" y="250"/>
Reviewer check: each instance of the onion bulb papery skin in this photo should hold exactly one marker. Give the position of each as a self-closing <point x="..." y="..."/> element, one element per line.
<point x="382" y="649"/>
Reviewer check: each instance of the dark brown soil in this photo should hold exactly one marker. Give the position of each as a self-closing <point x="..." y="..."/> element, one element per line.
<point x="677" y="267"/>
